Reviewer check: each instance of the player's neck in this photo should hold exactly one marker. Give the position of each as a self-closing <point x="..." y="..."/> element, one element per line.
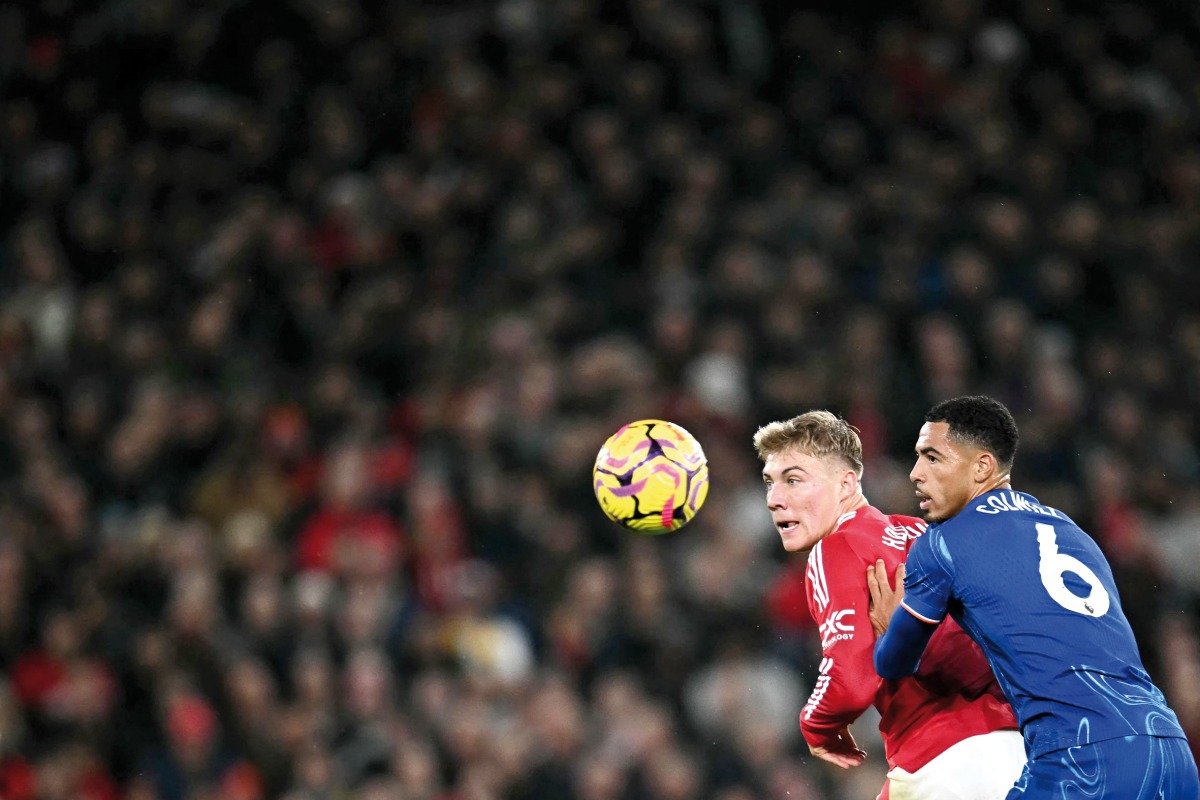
<point x="999" y="482"/>
<point x="852" y="503"/>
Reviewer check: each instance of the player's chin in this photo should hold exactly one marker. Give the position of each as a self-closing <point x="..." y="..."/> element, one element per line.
<point x="795" y="541"/>
<point x="933" y="516"/>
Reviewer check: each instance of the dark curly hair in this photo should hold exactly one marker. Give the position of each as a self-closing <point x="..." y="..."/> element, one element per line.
<point x="980" y="421"/>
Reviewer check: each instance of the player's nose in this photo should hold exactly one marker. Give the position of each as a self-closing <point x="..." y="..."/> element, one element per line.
<point x="914" y="474"/>
<point x="774" y="497"/>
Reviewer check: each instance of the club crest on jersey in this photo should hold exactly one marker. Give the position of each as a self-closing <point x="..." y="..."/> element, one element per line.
<point x="837" y="627"/>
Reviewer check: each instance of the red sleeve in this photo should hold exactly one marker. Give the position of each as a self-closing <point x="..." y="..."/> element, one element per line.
<point x="838" y="599"/>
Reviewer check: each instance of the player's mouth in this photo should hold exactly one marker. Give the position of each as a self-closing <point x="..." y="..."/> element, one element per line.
<point x="787" y="526"/>
<point x="924" y="500"/>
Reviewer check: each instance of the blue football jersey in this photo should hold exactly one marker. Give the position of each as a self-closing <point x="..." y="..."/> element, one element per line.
<point x="1038" y="596"/>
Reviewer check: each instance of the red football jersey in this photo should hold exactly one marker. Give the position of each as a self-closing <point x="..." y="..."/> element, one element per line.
<point x="953" y="695"/>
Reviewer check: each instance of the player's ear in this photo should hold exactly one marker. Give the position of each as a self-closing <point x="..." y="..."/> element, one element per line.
<point x="985" y="466"/>
<point x="849" y="483"/>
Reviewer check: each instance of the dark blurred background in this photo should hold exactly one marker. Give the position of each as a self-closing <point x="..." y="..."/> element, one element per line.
<point x="314" y="313"/>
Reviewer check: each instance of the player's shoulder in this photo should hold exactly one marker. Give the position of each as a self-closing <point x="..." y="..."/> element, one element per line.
<point x="869" y="522"/>
<point x="999" y="501"/>
<point x="913" y="526"/>
<point x="870" y="534"/>
<point x="1001" y="509"/>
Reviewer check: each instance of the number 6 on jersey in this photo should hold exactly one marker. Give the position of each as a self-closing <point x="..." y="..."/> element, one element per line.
<point x="1053" y="565"/>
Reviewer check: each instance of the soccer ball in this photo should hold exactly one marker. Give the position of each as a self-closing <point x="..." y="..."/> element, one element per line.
<point x="651" y="476"/>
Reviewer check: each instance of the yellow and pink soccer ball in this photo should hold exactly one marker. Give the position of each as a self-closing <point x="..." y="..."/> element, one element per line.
<point x="651" y="476"/>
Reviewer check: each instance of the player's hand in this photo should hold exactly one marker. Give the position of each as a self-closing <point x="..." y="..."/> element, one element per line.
<point x="841" y="750"/>
<point x="884" y="599"/>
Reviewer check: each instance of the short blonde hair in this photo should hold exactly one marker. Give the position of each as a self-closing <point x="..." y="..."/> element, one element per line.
<point x="814" y="433"/>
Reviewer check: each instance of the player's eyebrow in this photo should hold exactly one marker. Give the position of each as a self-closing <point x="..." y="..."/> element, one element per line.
<point x="928" y="450"/>
<point x="785" y="471"/>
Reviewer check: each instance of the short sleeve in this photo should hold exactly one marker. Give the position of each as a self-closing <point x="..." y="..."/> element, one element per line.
<point x="928" y="580"/>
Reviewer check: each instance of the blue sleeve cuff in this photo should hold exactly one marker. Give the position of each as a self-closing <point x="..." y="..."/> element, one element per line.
<point x="898" y="651"/>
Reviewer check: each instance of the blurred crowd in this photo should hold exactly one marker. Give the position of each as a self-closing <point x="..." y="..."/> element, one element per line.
<point x="313" y="316"/>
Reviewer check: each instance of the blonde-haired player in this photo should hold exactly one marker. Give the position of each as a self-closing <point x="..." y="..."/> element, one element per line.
<point x="948" y="733"/>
